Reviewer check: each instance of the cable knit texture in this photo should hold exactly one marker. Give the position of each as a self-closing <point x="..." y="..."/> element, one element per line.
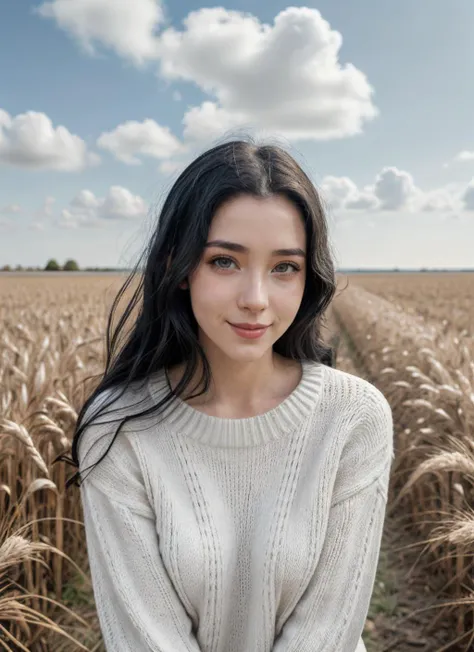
<point x="259" y="534"/>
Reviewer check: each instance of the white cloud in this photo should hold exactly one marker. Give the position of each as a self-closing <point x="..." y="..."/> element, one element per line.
<point x="336" y="190"/>
<point x="462" y="157"/>
<point x="392" y="190"/>
<point x="147" y="138"/>
<point x="468" y="197"/>
<point x="365" y="200"/>
<point x="85" y="200"/>
<point x="68" y="220"/>
<point x="395" y="189"/>
<point x="208" y="120"/>
<point x="85" y="209"/>
<point x="126" y="27"/>
<point x="121" y="204"/>
<point x="465" y="155"/>
<point x="438" y="200"/>
<point x="342" y="192"/>
<point x="283" y="77"/>
<point x="10" y="209"/>
<point x="29" y="140"/>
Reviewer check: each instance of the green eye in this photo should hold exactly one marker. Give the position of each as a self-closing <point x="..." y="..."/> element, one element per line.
<point x="225" y="258"/>
<point x="213" y="263"/>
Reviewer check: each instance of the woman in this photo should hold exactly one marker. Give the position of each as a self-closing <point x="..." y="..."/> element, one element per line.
<point x="246" y="516"/>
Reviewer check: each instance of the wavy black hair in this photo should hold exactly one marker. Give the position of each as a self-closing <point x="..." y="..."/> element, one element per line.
<point x="165" y="333"/>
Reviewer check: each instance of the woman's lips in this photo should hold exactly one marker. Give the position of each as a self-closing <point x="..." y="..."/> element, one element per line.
<point x="247" y="333"/>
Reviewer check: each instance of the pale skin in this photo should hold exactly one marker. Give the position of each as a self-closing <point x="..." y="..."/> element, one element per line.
<point x="255" y="286"/>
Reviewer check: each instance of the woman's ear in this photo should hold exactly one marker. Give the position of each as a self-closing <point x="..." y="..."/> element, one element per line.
<point x="183" y="285"/>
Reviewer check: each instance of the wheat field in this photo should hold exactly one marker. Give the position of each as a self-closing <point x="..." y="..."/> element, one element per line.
<point x="412" y="334"/>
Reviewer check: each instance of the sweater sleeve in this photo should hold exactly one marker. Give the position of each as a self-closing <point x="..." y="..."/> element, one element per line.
<point x="137" y="605"/>
<point x="331" y="614"/>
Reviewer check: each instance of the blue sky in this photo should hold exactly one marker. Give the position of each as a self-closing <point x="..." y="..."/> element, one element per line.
<point x="102" y="105"/>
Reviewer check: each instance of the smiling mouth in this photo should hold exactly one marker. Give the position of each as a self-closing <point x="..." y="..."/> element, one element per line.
<point x="250" y="327"/>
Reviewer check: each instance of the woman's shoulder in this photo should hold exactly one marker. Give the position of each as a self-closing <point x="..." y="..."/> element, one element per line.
<point x="360" y="406"/>
<point x="351" y="387"/>
<point x="108" y="408"/>
<point x="367" y="410"/>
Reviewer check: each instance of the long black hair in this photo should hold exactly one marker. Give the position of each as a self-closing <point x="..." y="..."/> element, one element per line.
<point x="165" y="332"/>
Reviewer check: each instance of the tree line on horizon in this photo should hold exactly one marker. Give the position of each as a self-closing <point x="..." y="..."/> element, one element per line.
<point x="52" y="265"/>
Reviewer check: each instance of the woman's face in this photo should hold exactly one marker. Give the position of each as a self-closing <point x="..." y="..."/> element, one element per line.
<point x="252" y="284"/>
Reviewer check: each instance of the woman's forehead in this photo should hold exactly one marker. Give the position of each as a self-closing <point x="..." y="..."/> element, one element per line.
<point x="252" y="222"/>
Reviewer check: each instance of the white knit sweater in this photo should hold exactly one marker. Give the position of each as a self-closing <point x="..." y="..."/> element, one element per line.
<point x="259" y="534"/>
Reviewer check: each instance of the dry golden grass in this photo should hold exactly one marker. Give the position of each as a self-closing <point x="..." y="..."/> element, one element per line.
<point x="445" y="299"/>
<point x="52" y="338"/>
<point x="426" y="371"/>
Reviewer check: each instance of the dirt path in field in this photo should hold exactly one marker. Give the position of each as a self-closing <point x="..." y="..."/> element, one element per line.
<point x="401" y="586"/>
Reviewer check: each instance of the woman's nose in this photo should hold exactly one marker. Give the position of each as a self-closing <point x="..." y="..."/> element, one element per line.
<point x="254" y="293"/>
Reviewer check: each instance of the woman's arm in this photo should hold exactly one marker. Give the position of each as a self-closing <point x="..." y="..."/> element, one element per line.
<point x="137" y="605"/>
<point x="331" y="614"/>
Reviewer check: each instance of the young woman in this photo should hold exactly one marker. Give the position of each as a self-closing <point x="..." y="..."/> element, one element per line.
<point x="236" y="492"/>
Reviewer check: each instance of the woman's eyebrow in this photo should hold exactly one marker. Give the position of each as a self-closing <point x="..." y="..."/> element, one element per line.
<point x="233" y="246"/>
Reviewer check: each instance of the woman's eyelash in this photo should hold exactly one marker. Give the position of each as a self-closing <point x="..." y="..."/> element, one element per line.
<point x="296" y="268"/>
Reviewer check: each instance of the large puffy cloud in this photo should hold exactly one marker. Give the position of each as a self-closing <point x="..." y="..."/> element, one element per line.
<point x="285" y="77"/>
<point x="337" y="190"/>
<point x="146" y="138"/>
<point x="86" y="209"/>
<point x="393" y="190"/>
<point x="342" y="192"/>
<point x="209" y="120"/>
<point x="30" y="140"/>
<point x="121" y="204"/>
<point x="439" y="200"/>
<point x="126" y="27"/>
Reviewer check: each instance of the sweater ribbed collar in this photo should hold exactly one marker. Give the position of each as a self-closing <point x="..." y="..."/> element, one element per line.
<point x="249" y="431"/>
